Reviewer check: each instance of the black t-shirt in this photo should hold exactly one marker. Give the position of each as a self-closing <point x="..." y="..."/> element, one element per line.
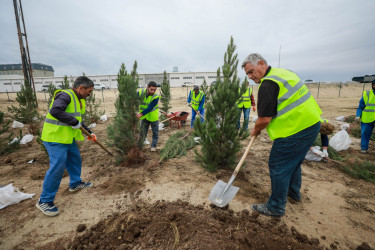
<point x="267" y="97"/>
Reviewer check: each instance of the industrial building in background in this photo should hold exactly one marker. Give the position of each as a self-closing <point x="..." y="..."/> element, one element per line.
<point x="38" y="70"/>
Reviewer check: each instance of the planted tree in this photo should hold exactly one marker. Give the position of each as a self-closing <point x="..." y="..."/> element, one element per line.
<point x="123" y="133"/>
<point x="65" y="84"/>
<point x="6" y="137"/>
<point x="51" y="92"/>
<point x="220" y="139"/>
<point x="92" y="113"/>
<point x="205" y="88"/>
<point x="26" y="111"/>
<point x="165" y="96"/>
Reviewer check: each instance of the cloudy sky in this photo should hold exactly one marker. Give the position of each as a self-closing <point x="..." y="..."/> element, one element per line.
<point x="323" y="40"/>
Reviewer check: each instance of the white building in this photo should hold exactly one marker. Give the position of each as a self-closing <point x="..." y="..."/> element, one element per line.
<point x="12" y="83"/>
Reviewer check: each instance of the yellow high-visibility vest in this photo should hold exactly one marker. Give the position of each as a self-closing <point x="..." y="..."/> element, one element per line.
<point x="58" y="131"/>
<point x="296" y="107"/>
<point x="196" y="99"/>
<point x="368" y="114"/>
<point x="153" y="115"/>
<point x="245" y="100"/>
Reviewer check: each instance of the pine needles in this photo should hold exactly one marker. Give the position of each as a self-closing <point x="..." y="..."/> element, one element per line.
<point x="177" y="146"/>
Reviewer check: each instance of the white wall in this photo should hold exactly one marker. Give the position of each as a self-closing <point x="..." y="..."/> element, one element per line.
<point x="176" y="79"/>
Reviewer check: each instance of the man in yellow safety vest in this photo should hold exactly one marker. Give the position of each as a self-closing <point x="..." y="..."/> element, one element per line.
<point x="197" y="99"/>
<point x="61" y="129"/>
<point x="244" y="104"/>
<point x="292" y="118"/>
<point x="366" y="114"/>
<point x="149" y="113"/>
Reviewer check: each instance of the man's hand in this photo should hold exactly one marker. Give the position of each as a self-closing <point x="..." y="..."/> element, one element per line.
<point x="92" y="137"/>
<point x="357" y="119"/>
<point x="139" y="115"/>
<point x="254" y="108"/>
<point x="77" y="126"/>
<point x="260" y="124"/>
<point x="325" y="153"/>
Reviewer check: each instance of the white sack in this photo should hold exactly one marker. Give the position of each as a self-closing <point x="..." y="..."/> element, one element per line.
<point x="161" y="126"/>
<point x="26" y="138"/>
<point x="146" y="142"/>
<point x="10" y="195"/>
<point x="340" y="118"/>
<point x="17" y="124"/>
<point x="103" y="118"/>
<point x="314" y="156"/>
<point x="197" y="139"/>
<point x="340" y="141"/>
<point x="92" y="125"/>
<point x="13" y="141"/>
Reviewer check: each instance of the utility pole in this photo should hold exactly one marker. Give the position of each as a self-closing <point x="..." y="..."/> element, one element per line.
<point x="22" y="38"/>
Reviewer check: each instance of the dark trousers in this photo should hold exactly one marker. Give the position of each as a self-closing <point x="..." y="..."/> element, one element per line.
<point x="286" y="157"/>
<point x="145" y="124"/>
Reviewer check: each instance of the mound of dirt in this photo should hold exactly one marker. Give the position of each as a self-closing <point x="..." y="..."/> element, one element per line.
<point x="170" y="225"/>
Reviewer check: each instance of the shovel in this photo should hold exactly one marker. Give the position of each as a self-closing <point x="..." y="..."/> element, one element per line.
<point x="196" y="111"/>
<point x="223" y="193"/>
<point x="101" y="145"/>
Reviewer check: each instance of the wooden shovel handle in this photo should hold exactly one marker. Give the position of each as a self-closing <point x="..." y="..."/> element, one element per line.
<point x="244" y="156"/>
<point x="168" y="119"/>
<point x="196" y="111"/>
<point x="101" y="145"/>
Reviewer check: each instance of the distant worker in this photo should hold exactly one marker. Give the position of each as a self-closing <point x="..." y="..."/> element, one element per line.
<point x="292" y="118"/>
<point x="61" y="129"/>
<point x="326" y="129"/>
<point x="197" y="99"/>
<point x="149" y="113"/>
<point x="366" y="114"/>
<point x="244" y="104"/>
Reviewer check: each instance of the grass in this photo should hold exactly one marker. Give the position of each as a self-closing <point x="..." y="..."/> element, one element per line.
<point x="361" y="169"/>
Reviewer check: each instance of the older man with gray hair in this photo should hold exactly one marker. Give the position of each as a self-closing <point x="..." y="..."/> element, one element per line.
<point x="291" y="116"/>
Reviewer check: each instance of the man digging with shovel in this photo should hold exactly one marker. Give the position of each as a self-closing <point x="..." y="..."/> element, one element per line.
<point x="292" y="118"/>
<point x="61" y="129"/>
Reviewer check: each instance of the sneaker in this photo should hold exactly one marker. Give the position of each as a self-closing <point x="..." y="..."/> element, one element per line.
<point x="363" y="151"/>
<point x="48" y="208"/>
<point x="153" y="149"/>
<point x="80" y="186"/>
<point x="262" y="209"/>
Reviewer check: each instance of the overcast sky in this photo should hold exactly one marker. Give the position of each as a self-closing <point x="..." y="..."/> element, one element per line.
<point x="322" y="40"/>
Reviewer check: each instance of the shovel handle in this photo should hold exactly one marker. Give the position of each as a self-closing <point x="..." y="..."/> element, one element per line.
<point x="168" y="119"/>
<point x="196" y="111"/>
<point x="244" y="156"/>
<point x="101" y="145"/>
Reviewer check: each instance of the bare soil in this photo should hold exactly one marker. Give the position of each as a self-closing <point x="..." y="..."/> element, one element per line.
<point x="166" y="206"/>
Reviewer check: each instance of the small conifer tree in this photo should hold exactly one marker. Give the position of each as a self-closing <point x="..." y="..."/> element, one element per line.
<point x="6" y="137"/>
<point x="26" y="111"/>
<point x="165" y="97"/>
<point x="65" y="84"/>
<point x="206" y="90"/>
<point x="51" y="92"/>
<point x="92" y="113"/>
<point x="219" y="136"/>
<point x="123" y="133"/>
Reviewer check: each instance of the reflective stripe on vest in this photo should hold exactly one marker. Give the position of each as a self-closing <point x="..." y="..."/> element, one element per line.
<point x="368" y="113"/>
<point x="296" y="107"/>
<point x="153" y="115"/>
<point x="58" y="131"/>
<point x="245" y="100"/>
<point x="196" y="99"/>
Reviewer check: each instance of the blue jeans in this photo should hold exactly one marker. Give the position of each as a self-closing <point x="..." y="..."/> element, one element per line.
<point x="145" y="124"/>
<point x="61" y="156"/>
<point x="246" y="114"/>
<point x="366" y="132"/>
<point x="286" y="157"/>
<point x="193" y="114"/>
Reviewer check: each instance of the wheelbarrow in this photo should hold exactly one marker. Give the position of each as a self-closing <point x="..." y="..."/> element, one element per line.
<point x="178" y="117"/>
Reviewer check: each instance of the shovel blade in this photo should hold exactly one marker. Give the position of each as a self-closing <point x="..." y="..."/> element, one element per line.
<point x="219" y="198"/>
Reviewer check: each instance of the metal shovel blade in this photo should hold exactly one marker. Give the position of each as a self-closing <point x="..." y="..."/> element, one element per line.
<point x="221" y="197"/>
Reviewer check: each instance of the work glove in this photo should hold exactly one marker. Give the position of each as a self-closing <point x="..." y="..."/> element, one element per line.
<point x="357" y="119"/>
<point x="325" y="153"/>
<point x="92" y="137"/>
<point x="317" y="152"/>
<point x="79" y="124"/>
<point x="254" y="108"/>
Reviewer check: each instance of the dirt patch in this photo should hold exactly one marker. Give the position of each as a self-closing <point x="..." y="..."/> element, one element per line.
<point x="180" y="225"/>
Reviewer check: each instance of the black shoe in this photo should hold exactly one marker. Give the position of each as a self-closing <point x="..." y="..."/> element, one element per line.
<point x="262" y="209"/>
